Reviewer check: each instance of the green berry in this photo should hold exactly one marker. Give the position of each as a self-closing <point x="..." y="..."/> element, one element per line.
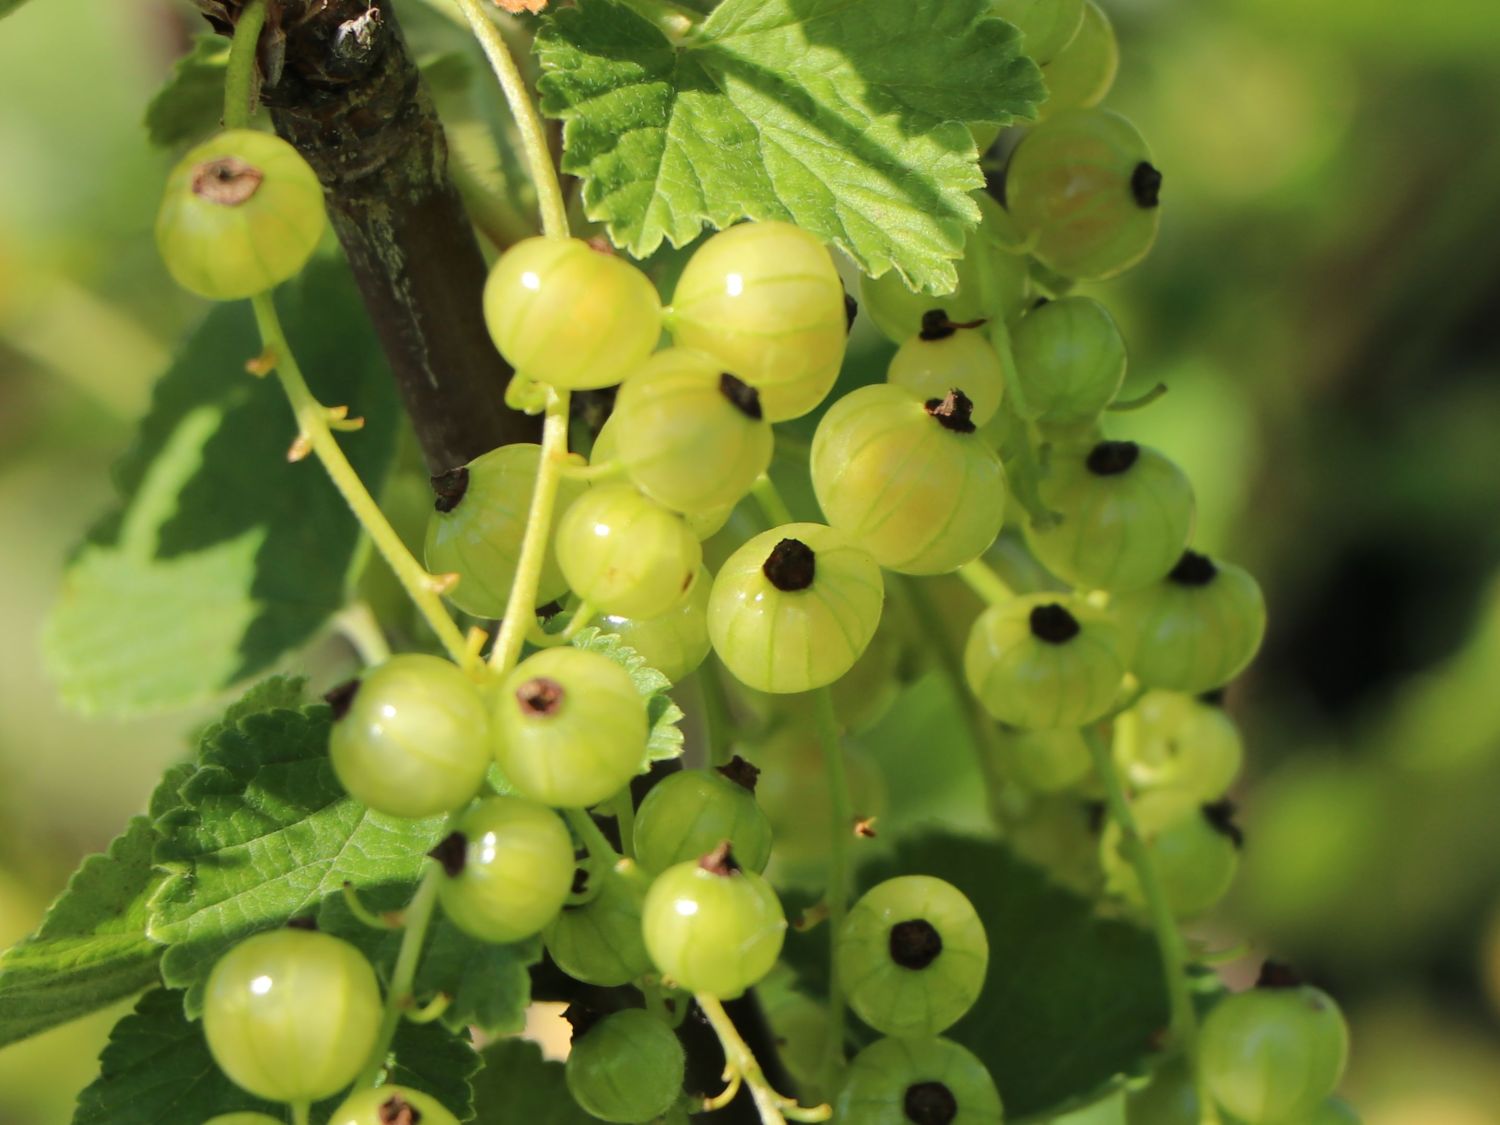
<point x="564" y="313"/>
<point x="945" y="357"/>
<point x="625" y="553"/>
<point x="918" y="1082"/>
<point x="411" y="737"/>
<point x="478" y="523"/>
<point x="291" y="1015"/>
<point x="912" y="953"/>
<point x="675" y="643"/>
<point x="392" y="1105"/>
<point x="1044" y="761"/>
<point x="244" y="1119"/>
<point x="692" y="812"/>
<point x="1046" y="26"/>
<point x="1194" y="849"/>
<point x="1081" y="74"/>
<point x="1040" y="662"/>
<point x="713" y="927"/>
<point x="600" y="941"/>
<point x="508" y="866"/>
<point x="794" y="608"/>
<point x="1173" y="741"/>
<point x="1070" y="360"/>
<point x="627" y="1067"/>
<point x="569" y="728"/>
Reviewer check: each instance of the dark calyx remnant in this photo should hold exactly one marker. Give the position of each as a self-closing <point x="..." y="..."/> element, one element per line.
<point x="341" y="698"/>
<point x="449" y="488"/>
<point x="1110" y="458"/>
<point x="937" y="326"/>
<point x="915" y="944"/>
<point x="1220" y="816"/>
<point x="954" y="411"/>
<point x="791" y="566"/>
<point x="1274" y="974"/>
<point x="1193" y="569"/>
<point x="929" y="1103"/>
<point x="307" y="923"/>
<point x="540" y="697"/>
<point x="452" y="852"/>
<point x="851" y="310"/>
<point x="227" y="181"/>
<point x="741" y="772"/>
<point x="741" y="395"/>
<point x="1145" y="185"/>
<point x="396" y="1110"/>
<point x="720" y="861"/>
<point x="1053" y="623"/>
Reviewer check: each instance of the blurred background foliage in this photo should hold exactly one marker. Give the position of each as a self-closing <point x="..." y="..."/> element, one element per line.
<point x="1325" y="307"/>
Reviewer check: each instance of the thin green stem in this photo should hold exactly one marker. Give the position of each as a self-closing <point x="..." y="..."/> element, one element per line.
<point x="980" y="577"/>
<point x="300" y="1111"/>
<point x="239" y="75"/>
<point x="520" y="609"/>
<point x="740" y="1064"/>
<point x="601" y="852"/>
<point x="582" y="615"/>
<point x="358" y="625"/>
<point x="528" y="122"/>
<point x="718" y="719"/>
<point x="772" y="506"/>
<point x="622" y="804"/>
<point x="1169" y="939"/>
<point x="841" y="814"/>
<point x="399" y="996"/>
<point x="314" y="430"/>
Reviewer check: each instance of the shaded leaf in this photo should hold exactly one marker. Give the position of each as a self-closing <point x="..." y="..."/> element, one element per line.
<point x="665" y="738"/>
<point x="190" y="105"/>
<point x="517" y="1084"/>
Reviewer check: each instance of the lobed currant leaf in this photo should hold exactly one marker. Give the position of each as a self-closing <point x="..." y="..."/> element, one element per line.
<point x="189" y="105"/>
<point x="662" y="713"/>
<point x="517" y="1084"/>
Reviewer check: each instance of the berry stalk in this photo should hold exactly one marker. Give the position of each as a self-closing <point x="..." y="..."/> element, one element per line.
<point x="837" y="895"/>
<point x="740" y="1066"/>
<point x="239" y="73"/>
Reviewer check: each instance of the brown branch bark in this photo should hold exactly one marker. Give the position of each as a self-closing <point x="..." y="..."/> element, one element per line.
<point x="349" y="97"/>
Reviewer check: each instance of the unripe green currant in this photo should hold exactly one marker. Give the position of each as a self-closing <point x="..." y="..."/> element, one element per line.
<point x="477" y="525"/>
<point x="242" y="213"/>
<point x="1084" y="186"/>
<point x="690" y="813"/>
<point x="676" y="642"/>
<point x="290" y="1015"/>
<point x="1196" y="629"/>
<point x="713" y="927"/>
<point x="1046" y="26"/>
<point x="1070" y="360"/>
<point x="909" y="481"/>
<point x="626" y="1067"/>
<point x="1081" y="74"/>
<point x="411" y="737"/>
<point x="919" y="1081"/>
<point x="244" y="1119"/>
<point x="569" y="728"/>
<point x="1126" y="513"/>
<point x="564" y="313"/>
<point x="1194" y="847"/>
<point x="508" y="866"/>
<point x="1043" y="761"/>
<point x="1173" y="741"/>
<point x="944" y="356"/>
<point x="625" y="553"/>
<point x="600" y="941"/>
<point x="1274" y="1053"/>
<point x="1041" y="662"/>
<point x="392" y="1105"/>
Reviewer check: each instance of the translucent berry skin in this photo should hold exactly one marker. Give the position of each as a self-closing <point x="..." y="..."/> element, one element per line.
<point x="415" y="739"/>
<point x="1070" y="360"/>
<point x="690" y="813"/>
<point x="675" y="642"/>
<point x="479" y="537"/>
<point x="765" y="300"/>
<point x="683" y="440"/>
<point x="919" y="998"/>
<point x="244" y="1119"/>
<point x="703" y="524"/>
<point x="626" y="553"/>
<point x="920" y="497"/>
<point x="580" y="748"/>
<point x="1046" y="26"/>
<point x="795" y="640"/>
<point x="886" y="1074"/>
<point x="600" y="941"/>
<point x="964" y="360"/>
<point x="563" y="313"/>
<point x="517" y="868"/>
<point x="241" y="213"/>
<point x="1037" y="684"/>
<point x="1272" y="1054"/>
<point x="1173" y="741"/>
<point x="1076" y="183"/>
<point x="1081" y="74"/>
<point x="290" y="1015"/>
<point x="1119" y="531"/>
<point x="713" y="933"/>
<point x="1195" y="861"/>
<point x="386" y="1104"/>
<point x="1044" y="761"/>
<point x="1193" y="638"/>
<point x="628" y="1067"/>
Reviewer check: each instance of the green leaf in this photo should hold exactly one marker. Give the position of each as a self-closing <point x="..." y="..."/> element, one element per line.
<point x="665" y="739"/>
<point x="9" y="6"/>
<point x="222" y="556"/>
<point x="517" y="1084"/>
<point x="265" y="834"/>
<point x="489" y="984"/>
<point x="191" y="103"/>
<point x="436" y="1061"/>
<point x="1071" y="1000"/>
<point x="846" y="117"/>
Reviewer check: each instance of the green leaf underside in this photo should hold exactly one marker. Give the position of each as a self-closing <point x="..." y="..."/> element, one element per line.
<point x="1071" y="1000"/>
<point x="846" y="117"/>
<point x="223" y="556"/>
<point x="665" y="737"/>
<point x="191" y="103"/>
<point x="157" y="1070"/>
<point x="517" y="1084"/>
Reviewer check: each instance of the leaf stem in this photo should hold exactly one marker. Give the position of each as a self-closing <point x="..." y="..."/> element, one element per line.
<point x="398" y="997"/>
<point x="528" y="122"/>
<point x="622" y="804"/>
<point x="313" y="428"/>
<point x="520" y="609"/>
<point x="983" y="579"/>
<point x="239" y="74"/>
<point x="740" y="1065"/>
<point x="841" y="815"/>
<point x="1169" y="940"/>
